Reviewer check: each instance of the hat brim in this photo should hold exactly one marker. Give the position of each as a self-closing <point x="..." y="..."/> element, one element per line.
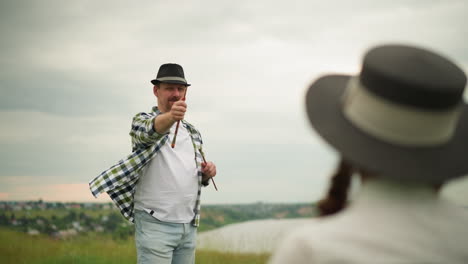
<point x="423" y="164"/>
<point x="156" y="82"/>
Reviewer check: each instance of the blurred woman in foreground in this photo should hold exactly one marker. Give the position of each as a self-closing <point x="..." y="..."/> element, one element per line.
<point x="402" y="125"/>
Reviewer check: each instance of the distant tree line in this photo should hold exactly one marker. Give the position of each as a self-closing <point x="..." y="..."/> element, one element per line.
<point x="56" y="219"/>
<point x="81" y="222"/>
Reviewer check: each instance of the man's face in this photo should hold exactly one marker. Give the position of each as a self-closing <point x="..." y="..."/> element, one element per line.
<point x="167" y="94"/>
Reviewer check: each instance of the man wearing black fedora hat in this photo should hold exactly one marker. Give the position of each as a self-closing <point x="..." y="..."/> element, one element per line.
<point x="402" y="125"/>
<point x="158" y="186"/>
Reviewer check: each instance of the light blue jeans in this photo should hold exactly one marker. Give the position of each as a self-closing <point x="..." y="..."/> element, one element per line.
<point x="160" y="242"/>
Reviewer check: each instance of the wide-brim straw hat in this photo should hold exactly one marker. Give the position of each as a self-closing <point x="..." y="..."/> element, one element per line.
<point x="402" y="117"/>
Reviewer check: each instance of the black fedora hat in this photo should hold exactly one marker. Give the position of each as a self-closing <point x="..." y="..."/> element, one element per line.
<point x="170" y="73"/>
<point x="402" y="117"/>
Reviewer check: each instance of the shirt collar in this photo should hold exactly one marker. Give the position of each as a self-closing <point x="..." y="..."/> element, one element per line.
<point x="382" y="191"/>
<point x="156" y="110"/>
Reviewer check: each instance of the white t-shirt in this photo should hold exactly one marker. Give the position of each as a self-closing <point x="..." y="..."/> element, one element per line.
<point x="169" y="183"/>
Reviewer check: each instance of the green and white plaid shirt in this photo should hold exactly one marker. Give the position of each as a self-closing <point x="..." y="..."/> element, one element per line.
<point x="119" y="181"/>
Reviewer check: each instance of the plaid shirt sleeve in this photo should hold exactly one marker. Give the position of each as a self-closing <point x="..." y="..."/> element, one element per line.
<point x="126" y="170"/>
<point x="143" y="133"/>
<point x="117" y="175"/>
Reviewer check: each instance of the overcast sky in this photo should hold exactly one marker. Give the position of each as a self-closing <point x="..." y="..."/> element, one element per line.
<point x="74" y="73"/>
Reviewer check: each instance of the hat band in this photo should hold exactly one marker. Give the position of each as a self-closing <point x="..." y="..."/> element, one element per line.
<point x="396" y="123"/>
<point x="171" y="78"/>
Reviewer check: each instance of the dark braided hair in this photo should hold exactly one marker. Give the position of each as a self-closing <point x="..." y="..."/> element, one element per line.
<point x="337" y="195"/>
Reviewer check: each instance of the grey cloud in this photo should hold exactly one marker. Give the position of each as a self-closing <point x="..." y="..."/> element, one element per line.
<point x="93" y="53"/>
<point x="61" y="93"/>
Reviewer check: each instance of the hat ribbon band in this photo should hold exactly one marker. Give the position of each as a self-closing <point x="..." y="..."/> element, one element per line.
<point x="396" y="123"/>
<point x="171" y="78"/>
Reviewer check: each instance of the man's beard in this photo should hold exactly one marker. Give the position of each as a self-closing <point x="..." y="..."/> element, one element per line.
<point x="171" y="101"/>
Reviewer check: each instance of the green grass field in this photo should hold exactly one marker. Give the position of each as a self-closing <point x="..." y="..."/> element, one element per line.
<point x="21" y="248"/>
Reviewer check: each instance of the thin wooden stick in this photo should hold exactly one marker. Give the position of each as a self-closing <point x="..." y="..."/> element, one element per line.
<point x="204" y="160"/>
<point x="178" y="123"/>
<point x="175" y="134"/>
